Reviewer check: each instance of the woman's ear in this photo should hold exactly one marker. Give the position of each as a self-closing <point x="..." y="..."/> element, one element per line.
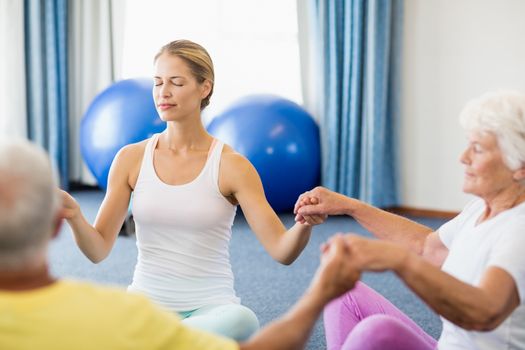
<point x="206" y="89"/>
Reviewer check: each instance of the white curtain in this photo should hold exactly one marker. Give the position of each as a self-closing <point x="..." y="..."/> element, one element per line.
<point x="95" y="54"/>
<point x="13" y="120"/>
<point x="311" y="76"/>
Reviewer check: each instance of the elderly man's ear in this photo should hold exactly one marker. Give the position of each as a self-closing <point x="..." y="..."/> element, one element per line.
<point x="57" y="224"/>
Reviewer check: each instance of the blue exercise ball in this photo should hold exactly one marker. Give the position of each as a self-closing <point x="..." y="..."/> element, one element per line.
<point x="123" y="113"/>
<point x="279" y="138"/>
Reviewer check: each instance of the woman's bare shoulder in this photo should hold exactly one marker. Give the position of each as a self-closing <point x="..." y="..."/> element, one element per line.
<point x="234" y="163"/>
<point x="133" y="149"/>
<point x="233" y="158"/>
<point x="132" y="154"/>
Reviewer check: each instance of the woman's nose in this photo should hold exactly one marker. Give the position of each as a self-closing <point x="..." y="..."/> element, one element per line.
<point x="164" y="90"/>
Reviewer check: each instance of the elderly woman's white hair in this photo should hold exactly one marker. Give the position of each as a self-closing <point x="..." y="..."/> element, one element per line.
<point x="503" y="114"/>
<point x="28" y="203"/>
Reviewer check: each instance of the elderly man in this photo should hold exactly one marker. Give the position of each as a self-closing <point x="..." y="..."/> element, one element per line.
<point x="37" y="311"/>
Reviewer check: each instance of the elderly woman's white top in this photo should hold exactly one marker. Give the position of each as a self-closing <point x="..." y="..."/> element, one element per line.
<point x="499" y="242"/>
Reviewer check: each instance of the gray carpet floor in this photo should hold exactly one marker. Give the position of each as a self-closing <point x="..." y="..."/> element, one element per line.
<point x="263" y="285"/>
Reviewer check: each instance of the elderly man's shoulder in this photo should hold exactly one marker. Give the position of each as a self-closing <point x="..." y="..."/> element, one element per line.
<point x="87" y="298"/>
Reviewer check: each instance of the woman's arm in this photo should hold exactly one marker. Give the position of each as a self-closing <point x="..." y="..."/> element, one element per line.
<point x="96" y="241"/>
<point x="240" y="180"/>
<point x="482" y="307"/>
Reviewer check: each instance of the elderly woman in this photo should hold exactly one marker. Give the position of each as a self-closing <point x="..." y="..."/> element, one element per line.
<point x="471" y="271"/>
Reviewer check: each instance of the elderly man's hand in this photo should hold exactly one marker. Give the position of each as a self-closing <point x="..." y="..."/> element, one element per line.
<point x="336" y="274"/>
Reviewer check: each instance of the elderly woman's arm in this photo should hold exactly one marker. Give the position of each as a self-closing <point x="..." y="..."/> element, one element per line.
<point x="382" y="224"/>
<point x="482" y="307"/>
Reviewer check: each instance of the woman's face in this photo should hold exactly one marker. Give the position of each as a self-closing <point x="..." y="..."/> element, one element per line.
<point x="486" y="175"/>
<point x="176" y="92"/>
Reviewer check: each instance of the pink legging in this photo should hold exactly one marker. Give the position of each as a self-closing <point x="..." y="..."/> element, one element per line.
<point x="363" y="319"/>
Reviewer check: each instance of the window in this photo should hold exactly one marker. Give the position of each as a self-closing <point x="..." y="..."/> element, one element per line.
<point x="253" y="43"/>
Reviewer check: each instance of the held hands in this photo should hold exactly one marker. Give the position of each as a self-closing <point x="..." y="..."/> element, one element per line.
<point x="336" y="273"/>
<point x="320" y="201"/>
<point x="373" y="254"/>
<point x="70" y="208"/>
<point x="344" y="258"/>
<point x="311" y="220"/>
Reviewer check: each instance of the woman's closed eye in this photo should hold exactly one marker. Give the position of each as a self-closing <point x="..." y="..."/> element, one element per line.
<point x="177" y="82"/>
<point x="477" y="148"/>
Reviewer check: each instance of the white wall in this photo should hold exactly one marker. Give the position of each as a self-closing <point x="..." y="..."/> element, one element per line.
<point x="12" y="70"/>
<point x="454" y="50"/>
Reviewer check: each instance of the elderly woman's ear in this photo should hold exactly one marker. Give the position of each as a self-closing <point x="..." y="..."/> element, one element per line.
<point x="519" y="174"/>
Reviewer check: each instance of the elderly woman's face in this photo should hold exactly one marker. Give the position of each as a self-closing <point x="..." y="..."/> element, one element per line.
<point x="486" y="174"/>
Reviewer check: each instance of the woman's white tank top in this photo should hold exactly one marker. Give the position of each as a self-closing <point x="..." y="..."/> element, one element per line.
<point x="183" y="235"/>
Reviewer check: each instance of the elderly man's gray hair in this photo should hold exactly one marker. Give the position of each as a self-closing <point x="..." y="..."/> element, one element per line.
<point x="28" y="201"/>
<point x="503" y="114"/>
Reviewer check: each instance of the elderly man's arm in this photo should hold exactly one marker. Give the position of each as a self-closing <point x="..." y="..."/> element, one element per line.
<point x="293" y="329"/>
<point x="335" y="276"/>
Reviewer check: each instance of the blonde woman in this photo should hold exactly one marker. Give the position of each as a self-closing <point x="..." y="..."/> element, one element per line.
<point x="186" y="187"/>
